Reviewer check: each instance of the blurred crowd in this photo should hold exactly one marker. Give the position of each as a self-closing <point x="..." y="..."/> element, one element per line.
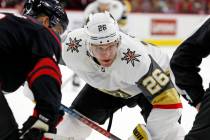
<point x="142" y="6"/>
<point x="171" y="6"/>
<point x="17" y="4"/>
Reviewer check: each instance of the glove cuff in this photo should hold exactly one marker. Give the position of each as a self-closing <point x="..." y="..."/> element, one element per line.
<point x="140" y="133"/>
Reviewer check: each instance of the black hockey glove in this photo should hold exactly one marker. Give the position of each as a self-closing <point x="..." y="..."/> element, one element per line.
<point x="35" y="128"/>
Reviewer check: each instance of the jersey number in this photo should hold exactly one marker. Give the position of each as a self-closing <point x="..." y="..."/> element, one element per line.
<point x="155" y="82"/>
<point x="102" y="27"/>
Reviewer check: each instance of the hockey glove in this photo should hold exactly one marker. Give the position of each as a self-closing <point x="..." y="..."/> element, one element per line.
<point x="140" y="132"/>
<point x="35" y="127"/>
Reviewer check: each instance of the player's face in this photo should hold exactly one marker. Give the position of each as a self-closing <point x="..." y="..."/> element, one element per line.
<point x="45" y="21"/>
<point x="105" y="54"/>
<point x="103" y="7"/>
<point x="58" y="29"/>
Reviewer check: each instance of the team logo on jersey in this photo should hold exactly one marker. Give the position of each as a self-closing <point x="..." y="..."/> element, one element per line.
<point x="131" y="57"/>
<point x="73" y="45"/>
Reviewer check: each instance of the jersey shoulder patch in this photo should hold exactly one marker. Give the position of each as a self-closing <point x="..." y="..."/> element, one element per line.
<point x="74" y="49"/>
<point x="133" y="59"/>
<point x="74" y="41"/>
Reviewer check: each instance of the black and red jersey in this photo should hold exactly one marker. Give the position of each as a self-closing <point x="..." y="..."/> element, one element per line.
<point x="29" y="51"/>
<point x="186" y="60"/>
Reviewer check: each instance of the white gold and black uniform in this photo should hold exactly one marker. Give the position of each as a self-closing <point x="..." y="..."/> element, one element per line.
<point x="136" y="77"/>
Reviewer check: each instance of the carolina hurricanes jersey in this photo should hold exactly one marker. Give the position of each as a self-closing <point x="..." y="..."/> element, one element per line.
<point x="132" y="62"/>
<point x="116" y="8"/>
<point x="29" y="51"/>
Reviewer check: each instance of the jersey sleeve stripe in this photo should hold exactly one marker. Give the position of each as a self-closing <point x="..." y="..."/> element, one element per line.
<point x="45" y="62"/>
<point x="45" y="66"/>
<point x="41" y="72"/>
<point x="171" y="106"/>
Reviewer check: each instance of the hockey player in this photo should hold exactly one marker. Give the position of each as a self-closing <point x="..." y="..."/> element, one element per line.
<point x="115" y="7"/>
<point x="119" y="71"/>
<point x="30" y="50"/>
<point x="184" y="64"/>
<point x="123" y="21"/>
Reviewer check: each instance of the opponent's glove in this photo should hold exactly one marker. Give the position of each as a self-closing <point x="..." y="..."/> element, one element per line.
<point x="35" y="127"/>
<point x="140" y="132"/>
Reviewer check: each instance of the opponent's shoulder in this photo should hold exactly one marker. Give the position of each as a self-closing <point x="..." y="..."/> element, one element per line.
<point x="21" y="22"/>
<point x="204" y="24"/>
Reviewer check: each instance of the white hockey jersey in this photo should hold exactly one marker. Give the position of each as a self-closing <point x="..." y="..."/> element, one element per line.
<point x="138" y="68"/>
<point x="131" y="64"/>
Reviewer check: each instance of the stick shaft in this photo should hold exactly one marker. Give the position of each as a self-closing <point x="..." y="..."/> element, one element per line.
<point x="88" y="122"/>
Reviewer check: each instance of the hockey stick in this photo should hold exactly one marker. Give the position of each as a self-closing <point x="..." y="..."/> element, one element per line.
<point x="88" y="122"/>
<point x="56" y="137"/>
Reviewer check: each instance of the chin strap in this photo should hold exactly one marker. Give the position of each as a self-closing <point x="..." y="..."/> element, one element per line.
<point x="110" y="123"/>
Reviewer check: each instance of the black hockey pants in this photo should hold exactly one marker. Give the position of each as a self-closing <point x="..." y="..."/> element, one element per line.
<point x="8" y="125"/>
<point x="99" y="106"/>
<point x="201" y="126"/>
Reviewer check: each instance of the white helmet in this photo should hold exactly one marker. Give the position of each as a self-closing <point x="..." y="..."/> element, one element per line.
<point x="104" y="1"/>
<point x="101" y="28"/>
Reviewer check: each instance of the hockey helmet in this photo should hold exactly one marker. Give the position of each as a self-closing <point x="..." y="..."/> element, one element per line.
<point x="104" y="1"/>
<point x="51" y="8"/>
<point x="101" y="28"/>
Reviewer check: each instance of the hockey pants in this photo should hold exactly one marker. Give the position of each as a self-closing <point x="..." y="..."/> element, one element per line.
<point x="8" y="125"/>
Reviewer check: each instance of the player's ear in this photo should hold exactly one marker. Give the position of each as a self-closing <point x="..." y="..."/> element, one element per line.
<point x="44" y="20"/>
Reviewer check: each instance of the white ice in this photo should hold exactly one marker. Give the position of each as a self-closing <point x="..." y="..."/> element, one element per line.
<point x="124" y="120"/>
